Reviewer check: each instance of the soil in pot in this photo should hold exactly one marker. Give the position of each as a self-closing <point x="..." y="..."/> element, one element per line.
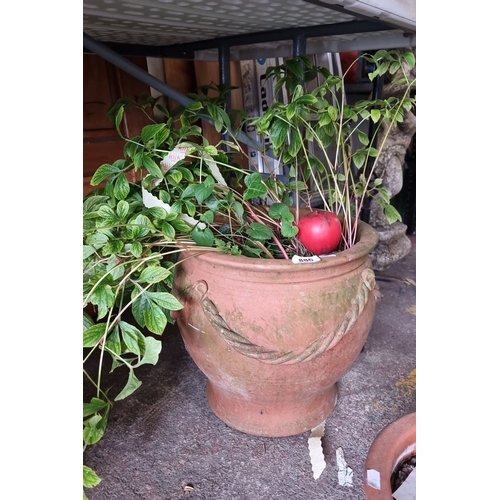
<point x="402" y="472"/>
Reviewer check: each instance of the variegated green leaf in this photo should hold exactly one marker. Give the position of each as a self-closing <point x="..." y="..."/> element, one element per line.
<point x="106" y="212"/>
<point x="181" y="226"/>
<point x="155" y="319"/>
<point x="296" y="67"/>
<point x="102" y="172"/>
<point x="97" y="240"/>
<point x="133" y="338"/>
<point x="306" y="99"/>
<point x="119" y="117"/>
<point x="153" y="274"/>
<point x="168" y="230"/>
<point x="88" y="250"/>
<point x="278" y="132"/>
<point x="409" y="57"/>
<point x="359" y="158"/>
<point x="363" y="138"/>
<point x="93" y="428"/>
<point x="152" y="167"/>
<point x="165" y="300"/>
<point x="133" y="383"/>
<point x="392" y="214"/>
<point x="152" y="352"/>
<point x="113" y="342"/>
<point x="158" y="212"/>
<point x="90" y="478"/>
<point x="150" y="131"/>
<point x="295" y="143"/>
<point x="375" y="114"/>
<point x="136" y="249"/>
<point x="174" y="176"/>
<point x="103" y="297"/>
<point x="112" y="247"/>
<point x="291" y="110"/>
<point x="87" y="321"/>
<point x="93" y="334"/>
<point x="121" y="188"/>
<point x="141" y="226"/>
<point x="94" y="406"/>
<point x="122" y="209"/>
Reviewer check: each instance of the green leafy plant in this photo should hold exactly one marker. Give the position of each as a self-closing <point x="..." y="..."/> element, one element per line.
<point x="173" y="191"/>
<point x="302" y="130"/>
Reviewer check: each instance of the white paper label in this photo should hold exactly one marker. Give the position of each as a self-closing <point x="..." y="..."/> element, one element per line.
<point x="316" y="450"/>
<point x="150" y="200"/>
<point x="345" y="473"/>
<point x="305" y="260"/>
<point x="177" y="154"/>
<point x="373" y="478"/>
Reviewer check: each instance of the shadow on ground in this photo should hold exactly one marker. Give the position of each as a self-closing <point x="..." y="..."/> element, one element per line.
<point x="164" y="443"/>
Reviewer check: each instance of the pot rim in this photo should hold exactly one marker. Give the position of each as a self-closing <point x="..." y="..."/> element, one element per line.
<point x="367" y="240"/>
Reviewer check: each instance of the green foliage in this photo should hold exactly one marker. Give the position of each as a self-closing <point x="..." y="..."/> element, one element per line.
<point x="148" y="210"/>
<point x="90" y="479"/>
<point x="316" y="119"/>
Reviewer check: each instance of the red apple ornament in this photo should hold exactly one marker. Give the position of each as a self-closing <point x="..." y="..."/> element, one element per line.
<point x="320" y="231"/>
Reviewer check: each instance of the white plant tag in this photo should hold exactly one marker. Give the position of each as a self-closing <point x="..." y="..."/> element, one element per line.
<point x="150" y="200"/>
<point x="373" y="478"/>
<point x="305" y="260"/>
<point x="316" y="450"/>
<point x="214" y="169"/>
<point x="177" y="154"/>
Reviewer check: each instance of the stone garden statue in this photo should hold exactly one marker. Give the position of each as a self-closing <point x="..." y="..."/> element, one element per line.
<point x="393" y="244"/>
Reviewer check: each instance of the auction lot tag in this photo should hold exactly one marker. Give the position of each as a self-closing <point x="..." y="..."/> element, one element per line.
<point x="305" y="260"/>
<point x="177" y="154"/>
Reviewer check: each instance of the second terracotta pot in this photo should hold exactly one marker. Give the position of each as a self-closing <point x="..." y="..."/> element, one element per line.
<point x="392" y="446"/>
<point x="273" y="337"/>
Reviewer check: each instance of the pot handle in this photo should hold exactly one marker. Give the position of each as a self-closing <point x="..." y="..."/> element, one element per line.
<point x="367" y="285"/>
<point x="197" y="291"/>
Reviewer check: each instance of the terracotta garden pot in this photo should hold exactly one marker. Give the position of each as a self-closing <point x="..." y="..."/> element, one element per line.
<point x="393" y="445"/>
<point x="273" y="337"/>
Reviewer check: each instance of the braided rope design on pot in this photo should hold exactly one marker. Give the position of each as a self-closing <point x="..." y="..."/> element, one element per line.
<point x="314" y="349"/>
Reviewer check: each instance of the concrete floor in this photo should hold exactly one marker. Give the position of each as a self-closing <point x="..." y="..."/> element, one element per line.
<point x="165" y="438"/>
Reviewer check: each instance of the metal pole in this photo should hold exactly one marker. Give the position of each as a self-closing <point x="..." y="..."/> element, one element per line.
<point x="225" y="80"/>
<point x="106" y="53"/>
<point x="124" y="64"/>
<point x="225" y="69"/>
<point x="298" y="49"/>
<point x="299" y="45"/>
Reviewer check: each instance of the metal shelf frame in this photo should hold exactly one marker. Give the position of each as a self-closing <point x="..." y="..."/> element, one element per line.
<point x="258" y="29"/>
<point x="191" y="50"/>
<point x="295" y="38"/>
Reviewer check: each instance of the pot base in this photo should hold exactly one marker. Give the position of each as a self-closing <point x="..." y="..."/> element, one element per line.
<point x="266" y="418"/>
